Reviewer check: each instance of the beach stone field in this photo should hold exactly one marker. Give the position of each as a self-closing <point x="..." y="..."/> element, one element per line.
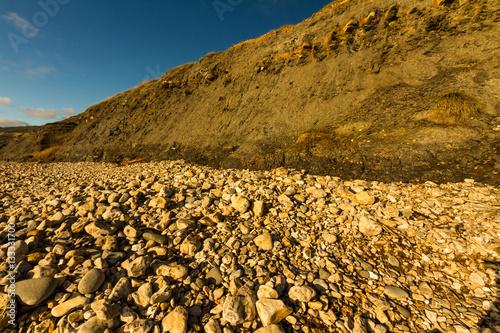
<point x="173" y="247"/>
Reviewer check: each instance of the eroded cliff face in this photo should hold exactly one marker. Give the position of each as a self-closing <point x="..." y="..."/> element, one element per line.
<point x="363" y="89"/>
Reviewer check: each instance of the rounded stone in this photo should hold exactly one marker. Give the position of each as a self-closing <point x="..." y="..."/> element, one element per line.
<point x="302" y="293"/>
<point x="214" y="276"/>
<point x="35" y="291"/>
<point x="91" y="281"/>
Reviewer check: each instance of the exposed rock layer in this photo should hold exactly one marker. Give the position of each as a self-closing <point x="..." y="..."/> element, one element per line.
<point x="355" y="91"/>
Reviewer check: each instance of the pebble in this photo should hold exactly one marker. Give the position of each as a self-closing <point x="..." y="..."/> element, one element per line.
<point x="91" y="281"/>
<point x="69" y="305"/>
<point x="160" y="239"/>
<point x="264" y="242"/>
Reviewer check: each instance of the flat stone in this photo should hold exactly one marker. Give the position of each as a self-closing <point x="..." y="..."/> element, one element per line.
<point x="302" y="293"/>
<point x="426" y="290"/>
<point x="393" y="260"/>
<point x="143" y="295"/>
<point x="175" y="321"/>
<point x="113" y="197"/>
<point x="476" y="279"/>
<point x="395" y="292"/>
<point x="21" y="248"/>
<point x="190" y="245"/>
<point x="258" y="208"/>
<point x="183" y="224"/>
<point x="158" y="202"/>
<point x="162" y="295"/>
<point x="461" y="329"/>
<point x="329" y="238"/>
<point x="272" y="311"/>
<point x="319" y="193"/>
<point x="70" y="305"/>
<point x="99" y="229"/>
<point x="35" y="291"/>
<point x="95" y="325"/>
<point x="240" y="308"/>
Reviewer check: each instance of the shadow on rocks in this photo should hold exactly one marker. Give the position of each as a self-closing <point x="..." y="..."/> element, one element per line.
<point x="491" y="322"/>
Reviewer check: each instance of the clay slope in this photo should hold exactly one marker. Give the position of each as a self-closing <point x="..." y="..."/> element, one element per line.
<point x="363" y="89"/>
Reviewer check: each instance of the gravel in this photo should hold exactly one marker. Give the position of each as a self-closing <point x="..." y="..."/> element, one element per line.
<point x="173" y="247"/>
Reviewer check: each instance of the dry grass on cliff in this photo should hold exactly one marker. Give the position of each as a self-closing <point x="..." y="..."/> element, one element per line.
<point x="455" y="108"/>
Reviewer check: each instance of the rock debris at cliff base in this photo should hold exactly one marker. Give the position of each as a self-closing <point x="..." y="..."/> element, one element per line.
<point x="172" y="247"/>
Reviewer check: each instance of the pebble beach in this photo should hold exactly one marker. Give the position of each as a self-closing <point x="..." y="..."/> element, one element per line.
<point x="173" y="247"/>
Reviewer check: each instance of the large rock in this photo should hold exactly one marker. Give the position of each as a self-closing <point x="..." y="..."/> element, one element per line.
<point x="272" y="311"/>
<point x="175" y="321"/>
<point x="35" y="291"/>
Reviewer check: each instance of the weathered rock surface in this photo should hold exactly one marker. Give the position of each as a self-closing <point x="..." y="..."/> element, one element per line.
<point x="378" y="90"/>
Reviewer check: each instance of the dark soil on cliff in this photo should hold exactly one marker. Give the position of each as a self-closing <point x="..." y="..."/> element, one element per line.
<point x="373" y="90"/>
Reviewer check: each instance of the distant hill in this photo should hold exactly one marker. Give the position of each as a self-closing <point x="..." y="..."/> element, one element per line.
<point x="362" y="89"/>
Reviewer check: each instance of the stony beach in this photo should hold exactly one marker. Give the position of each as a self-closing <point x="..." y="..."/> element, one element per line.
<point x="173" y="247"/>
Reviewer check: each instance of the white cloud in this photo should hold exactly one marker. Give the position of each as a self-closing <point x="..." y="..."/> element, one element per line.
<point x="16" y="20"/>
<point x="67" y="112"/>
<point x="5" y="101"/>
<point x="38" y="72"/>
<point x="64" y="113"/>
<point x="12" y="123"/>
<point x="40" y="113"/>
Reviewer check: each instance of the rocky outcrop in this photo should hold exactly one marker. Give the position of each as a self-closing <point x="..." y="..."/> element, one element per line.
<point x="354" y="91"/>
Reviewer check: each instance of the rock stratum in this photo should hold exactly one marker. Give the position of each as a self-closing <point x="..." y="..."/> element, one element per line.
<point x="362" y="89"/>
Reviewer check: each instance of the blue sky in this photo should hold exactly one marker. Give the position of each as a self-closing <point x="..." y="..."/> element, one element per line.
<point x="58" y="57"/>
